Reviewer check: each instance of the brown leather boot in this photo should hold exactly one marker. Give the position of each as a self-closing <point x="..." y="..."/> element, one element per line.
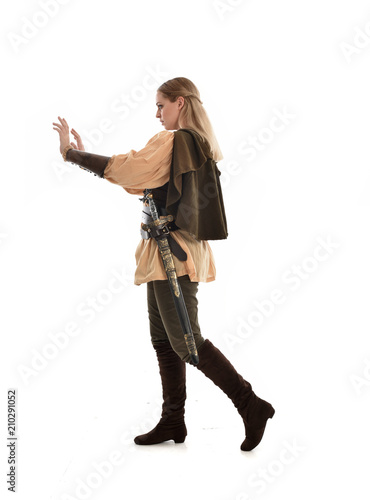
<point x="254" y="411"/>
<point x="171" y="424"/>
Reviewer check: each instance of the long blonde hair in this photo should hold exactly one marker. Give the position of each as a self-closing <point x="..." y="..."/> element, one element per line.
<point x="192" y="115"/>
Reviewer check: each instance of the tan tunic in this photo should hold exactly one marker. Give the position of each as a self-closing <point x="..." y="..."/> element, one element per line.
<point x="150" y="168"/>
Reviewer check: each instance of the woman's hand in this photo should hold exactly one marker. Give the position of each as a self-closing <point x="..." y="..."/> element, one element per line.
<point x="63" y="130"/>
<point x="79" y="146"/>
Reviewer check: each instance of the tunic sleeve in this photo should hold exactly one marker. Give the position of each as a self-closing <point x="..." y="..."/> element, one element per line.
<point x="147" y="168"/>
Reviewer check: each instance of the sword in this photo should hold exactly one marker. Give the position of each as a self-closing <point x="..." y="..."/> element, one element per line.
<point x="158" y="228"/>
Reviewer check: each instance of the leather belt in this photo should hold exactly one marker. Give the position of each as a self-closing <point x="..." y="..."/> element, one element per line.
<point x="175" y="247"/>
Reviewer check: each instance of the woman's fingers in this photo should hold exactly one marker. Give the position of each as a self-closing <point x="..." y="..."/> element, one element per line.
<point x="63" y="122"/>
<point x="63" y="126"/>
<point x="63" y="130"/>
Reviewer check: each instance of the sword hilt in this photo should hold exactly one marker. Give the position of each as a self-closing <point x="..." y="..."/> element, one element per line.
<point x="148" y="196"/>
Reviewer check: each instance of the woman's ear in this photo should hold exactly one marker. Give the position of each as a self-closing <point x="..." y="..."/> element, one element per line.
<point x="180" y="102"/>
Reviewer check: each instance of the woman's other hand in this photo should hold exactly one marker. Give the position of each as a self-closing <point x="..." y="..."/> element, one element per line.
<point x="77" y="137"/>
<point x="63" y="130"/>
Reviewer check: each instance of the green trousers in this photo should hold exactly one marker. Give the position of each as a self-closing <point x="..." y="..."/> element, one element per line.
<point x="163" y="319"/>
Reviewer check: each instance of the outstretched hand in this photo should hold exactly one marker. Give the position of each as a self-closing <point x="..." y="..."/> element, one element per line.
<point x="63" y="130"/>
<point x="77" y="137"/>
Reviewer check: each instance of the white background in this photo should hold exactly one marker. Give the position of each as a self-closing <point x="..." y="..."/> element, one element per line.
<point x="64" y="233"/>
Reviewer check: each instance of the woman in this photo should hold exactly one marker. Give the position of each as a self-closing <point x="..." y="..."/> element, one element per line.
<point x="180" y="169"/>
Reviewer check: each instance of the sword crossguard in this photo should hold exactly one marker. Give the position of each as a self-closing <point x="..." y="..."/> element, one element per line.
<point x="165" y="219"/>
<point x="158" y="224"/>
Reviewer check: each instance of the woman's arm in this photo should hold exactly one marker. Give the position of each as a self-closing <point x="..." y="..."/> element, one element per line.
<point x="134" y="171"/>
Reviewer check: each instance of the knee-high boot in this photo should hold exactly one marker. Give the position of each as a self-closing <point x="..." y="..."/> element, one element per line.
<point x="173" y="373"/>
<point x="254" y="411"/>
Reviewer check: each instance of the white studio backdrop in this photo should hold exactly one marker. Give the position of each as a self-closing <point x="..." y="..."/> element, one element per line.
<point x="286" y="85"/>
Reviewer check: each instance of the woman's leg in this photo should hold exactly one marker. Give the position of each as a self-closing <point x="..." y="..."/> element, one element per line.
<point x="169" y="317"/>
<point x="163" y="321"/>
<point x="172" y="372"/>
<point x="254" y="411"/>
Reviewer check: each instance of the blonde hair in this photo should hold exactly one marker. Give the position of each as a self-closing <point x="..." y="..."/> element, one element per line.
<point x="192" y="115"/>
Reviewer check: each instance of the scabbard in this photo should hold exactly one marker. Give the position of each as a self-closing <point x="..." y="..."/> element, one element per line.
<point x="178" y="298"/>
<point x="160" y="233"/>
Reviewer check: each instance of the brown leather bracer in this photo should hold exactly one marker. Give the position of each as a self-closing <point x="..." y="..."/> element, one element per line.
<point x="94" y="164"/>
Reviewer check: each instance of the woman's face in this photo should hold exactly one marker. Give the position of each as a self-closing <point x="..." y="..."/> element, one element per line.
<point x="168" y="112"/>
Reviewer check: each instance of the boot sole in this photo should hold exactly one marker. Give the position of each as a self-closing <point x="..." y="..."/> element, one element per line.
<point x="160" y="436"/>
<point x="177" y="441"/>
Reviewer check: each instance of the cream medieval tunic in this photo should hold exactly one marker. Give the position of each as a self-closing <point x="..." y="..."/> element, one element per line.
<point x="150" y="168"/>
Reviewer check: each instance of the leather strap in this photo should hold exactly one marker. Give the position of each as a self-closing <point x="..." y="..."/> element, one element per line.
<point x="176" y="249"/>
